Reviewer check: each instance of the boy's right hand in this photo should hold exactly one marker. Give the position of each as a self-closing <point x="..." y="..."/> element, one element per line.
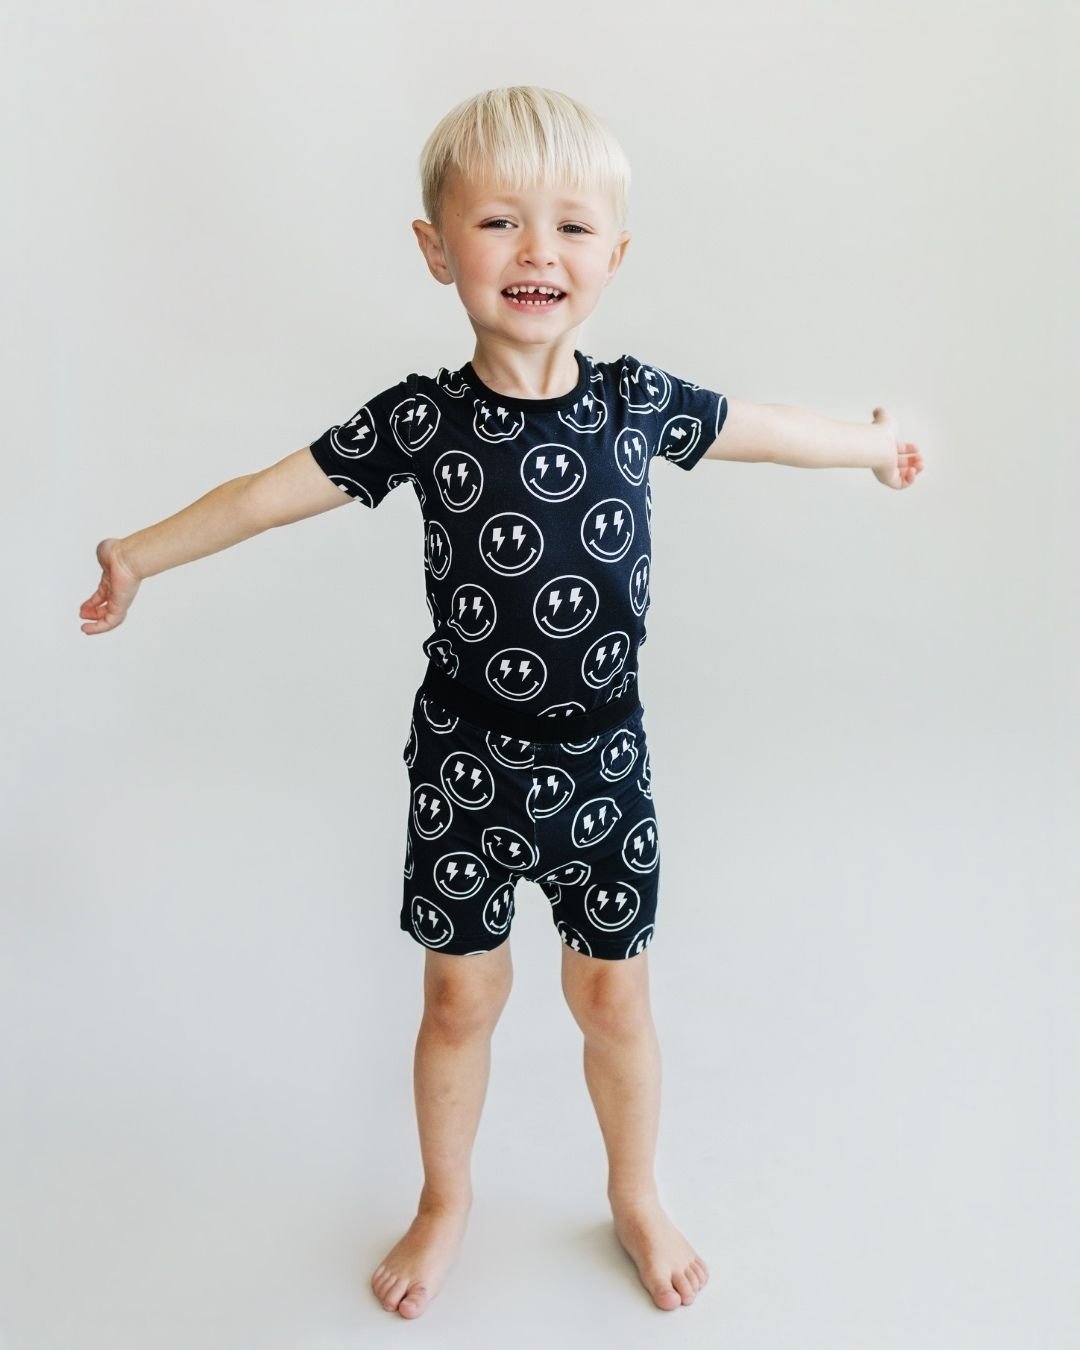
<point x="109" y="604"/>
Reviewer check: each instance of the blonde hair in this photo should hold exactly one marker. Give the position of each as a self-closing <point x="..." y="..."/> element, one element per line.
<point x="521" y="135"/>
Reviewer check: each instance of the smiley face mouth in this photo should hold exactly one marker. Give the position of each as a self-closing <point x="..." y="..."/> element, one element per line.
<point x="534" y="688"/>
<point x="583" y="620"/>
<point x="568" y="490"/>
<point x="511" y="569"/>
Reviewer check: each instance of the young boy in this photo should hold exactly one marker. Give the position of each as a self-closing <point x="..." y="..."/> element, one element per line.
<point x="527" y="754"/>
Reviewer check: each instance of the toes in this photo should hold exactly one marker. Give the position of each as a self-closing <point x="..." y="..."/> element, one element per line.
<point x="665" y="1296"/>
<point x="390" y="1292"/>
<point x="683" y="1285"/>
<point x="702" y="1269"/>
<point x="412" y="1305"/>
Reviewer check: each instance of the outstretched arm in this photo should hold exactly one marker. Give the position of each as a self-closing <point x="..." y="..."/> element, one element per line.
<point x="775" y="433"/>
<point x="292" y="489"/>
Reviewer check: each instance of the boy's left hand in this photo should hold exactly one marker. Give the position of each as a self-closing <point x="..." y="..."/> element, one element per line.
<point x="908" y="463"/>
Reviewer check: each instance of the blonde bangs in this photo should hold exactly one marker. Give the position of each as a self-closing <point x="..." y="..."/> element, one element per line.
<point x="520" y="136"/>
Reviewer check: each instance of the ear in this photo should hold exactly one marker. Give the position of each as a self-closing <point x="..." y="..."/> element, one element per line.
<point x="431" y="247"/>
<point x="618" y="252"/>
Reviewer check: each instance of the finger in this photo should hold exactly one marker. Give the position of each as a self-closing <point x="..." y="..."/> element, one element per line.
<point x="102" y="625"/>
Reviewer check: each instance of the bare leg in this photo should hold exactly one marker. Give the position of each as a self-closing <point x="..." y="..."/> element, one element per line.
<point x="610" y="1002"/>
<point x="463" y="999"/>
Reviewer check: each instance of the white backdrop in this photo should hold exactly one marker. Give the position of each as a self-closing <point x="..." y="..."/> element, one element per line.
<point x="861" y="703"/>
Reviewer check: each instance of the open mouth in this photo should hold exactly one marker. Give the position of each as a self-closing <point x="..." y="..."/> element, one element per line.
<point x="533" y="299"/>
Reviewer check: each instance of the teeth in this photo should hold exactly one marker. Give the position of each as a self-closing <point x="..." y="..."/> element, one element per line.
<point x="528" y="290"/>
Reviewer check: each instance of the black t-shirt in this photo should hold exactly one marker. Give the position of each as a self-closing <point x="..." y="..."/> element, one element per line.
<point x="537" y="518"/>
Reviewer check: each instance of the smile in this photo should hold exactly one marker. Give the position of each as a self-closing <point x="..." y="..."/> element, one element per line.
<point x="537" y="302"/>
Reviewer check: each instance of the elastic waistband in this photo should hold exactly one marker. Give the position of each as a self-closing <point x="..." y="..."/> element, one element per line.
<point x="486" y="712"/>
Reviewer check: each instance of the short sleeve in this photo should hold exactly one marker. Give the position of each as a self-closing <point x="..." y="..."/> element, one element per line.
<point x="370" y="454"/>
<point x="688" y="417"/>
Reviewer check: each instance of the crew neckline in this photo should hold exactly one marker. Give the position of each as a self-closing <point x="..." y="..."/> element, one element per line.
<point x="531" y="404"/>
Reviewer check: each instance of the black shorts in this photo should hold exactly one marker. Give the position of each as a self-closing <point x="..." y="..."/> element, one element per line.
<point x="486" y="808"/>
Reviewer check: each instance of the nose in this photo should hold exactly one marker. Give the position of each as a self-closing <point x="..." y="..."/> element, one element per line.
<point x="535" y="251"/>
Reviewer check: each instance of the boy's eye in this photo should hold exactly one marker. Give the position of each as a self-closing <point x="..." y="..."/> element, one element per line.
<point x="503" y="221"/>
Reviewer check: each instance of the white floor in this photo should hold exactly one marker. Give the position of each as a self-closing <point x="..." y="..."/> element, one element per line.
<point x="866" y="1149"/>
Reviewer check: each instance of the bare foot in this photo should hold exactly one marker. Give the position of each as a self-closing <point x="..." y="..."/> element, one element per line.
<point x="412" y="1272"/>
<point x="667" y="1265"/>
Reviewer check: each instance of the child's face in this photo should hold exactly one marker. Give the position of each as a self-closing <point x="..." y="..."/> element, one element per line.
<point x="492" y="239"/>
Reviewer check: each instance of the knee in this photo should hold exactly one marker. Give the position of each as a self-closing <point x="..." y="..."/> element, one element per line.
<point x="607" y="1008"/>
<point x="460" y="1008"/>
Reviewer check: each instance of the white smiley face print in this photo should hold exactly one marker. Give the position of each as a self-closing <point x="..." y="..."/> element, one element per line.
<point x="452" y="383"/>
<point x="430" y="922"/>
<point x="619" y="755"/>
<point x="441" y="654"/>
<point x="516" y="673"/>
<point x="573" y="873"/>
<point x="511" y="543"/>
<point x="412" y="422"/>
<point x="640" y="940"/>
<point x="641" y="847"/>
<point x="459" y="478"/>
<point x="494" y="423"/>
<point x="438" y="718"/>
<point x="498" y="911"/>
<point x="632" y="455"/>
<point x="460" y="875"/>
<point x="621" y="686"/>
<point x="644" y="780"/>
<point x="595" y="819"/>
<point x="644" y="389"/>
<point x="639" y="585"/>
<point x="588" y="414"/>
<point x="438" y="551"/>
<point x="467" y="780"/>
<point x="508" y="848"/>
<point x="565" y="605"/>
<point x="551" y="789"/>
<point x="610" y="906"/>
<point x="416" y="420"/>
<point x="553" y="472"/>
<point x="431" y="811"/>
<point x="472" y="612"/>
<point x="605" y="659"/>
<point x="679" y="436"/>
<point x="512" y="751"/>
<point x="607" y="529"/>
<point x="573" y="938"/>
